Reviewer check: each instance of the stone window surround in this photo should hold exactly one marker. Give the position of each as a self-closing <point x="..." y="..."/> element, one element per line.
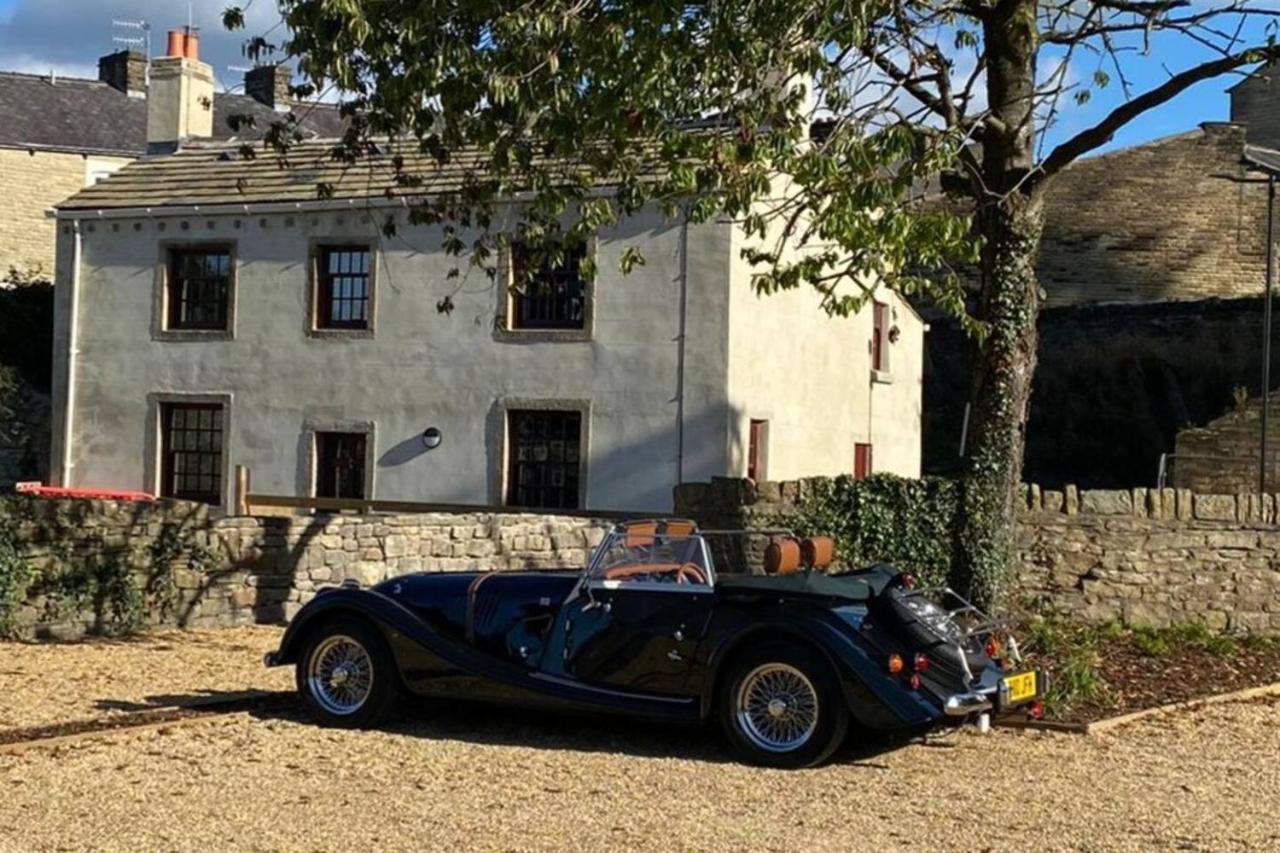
<point x="153" y="444"/>
<point x="160" y="330"/>
<point x="308" y="463"/>
<point x="502" y="331"/>
<point x="314" y="245"/>
<point x="498" y="441"/>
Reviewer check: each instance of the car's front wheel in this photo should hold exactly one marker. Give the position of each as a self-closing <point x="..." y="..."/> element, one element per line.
<point x="781" y="706"/>
<point x="346" y="675"/>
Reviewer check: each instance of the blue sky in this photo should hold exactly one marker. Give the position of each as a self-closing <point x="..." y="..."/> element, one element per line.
<point x="69" y="35"/>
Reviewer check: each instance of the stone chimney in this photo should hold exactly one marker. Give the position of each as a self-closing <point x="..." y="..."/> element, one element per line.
<point x="125" y="70"/>
<point x="180" y="97"/>
<point x="269" y="84"/>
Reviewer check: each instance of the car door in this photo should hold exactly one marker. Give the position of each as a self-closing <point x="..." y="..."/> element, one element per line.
<point x="639" y="637"/>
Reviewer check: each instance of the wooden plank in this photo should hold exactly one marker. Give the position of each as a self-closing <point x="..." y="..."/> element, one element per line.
<point x="1186" y="705"/>
<point x="414" y="507"/>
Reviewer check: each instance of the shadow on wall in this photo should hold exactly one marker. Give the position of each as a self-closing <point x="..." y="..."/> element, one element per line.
<point x="1113" y="386"/>
<point x="645" y="466"/>
<point x="404" y="452"/>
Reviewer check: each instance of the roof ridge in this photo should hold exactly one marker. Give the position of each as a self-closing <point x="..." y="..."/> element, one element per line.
<point x="59" y="78"/>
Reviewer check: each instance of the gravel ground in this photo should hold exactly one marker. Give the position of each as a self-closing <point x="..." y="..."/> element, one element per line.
<point x="481" y="780"/>
<point x="44" y="683"/>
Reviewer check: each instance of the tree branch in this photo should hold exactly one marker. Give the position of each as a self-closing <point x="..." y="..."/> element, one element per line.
<point x="1102" y="132"/>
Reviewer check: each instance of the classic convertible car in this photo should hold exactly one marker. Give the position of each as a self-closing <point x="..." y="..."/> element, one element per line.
<point x="786" y="661"/>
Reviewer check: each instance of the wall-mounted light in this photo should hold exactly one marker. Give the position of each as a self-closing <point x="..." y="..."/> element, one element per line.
<point x="432" y="437"/>
<point x="894" y="334"/>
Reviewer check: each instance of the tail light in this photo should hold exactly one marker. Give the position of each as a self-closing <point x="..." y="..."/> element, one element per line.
<point x="896" y="664"/>
<point x="1036" y="710"/>
<point x="914" y="681"/>
<point x="909" y="580"/>
<point x="993" y="648"/>
<point x="920" y="663"/>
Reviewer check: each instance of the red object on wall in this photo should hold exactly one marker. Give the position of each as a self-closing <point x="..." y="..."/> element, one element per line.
<point x="861" y="461"/>
<point x="42" y="491"/>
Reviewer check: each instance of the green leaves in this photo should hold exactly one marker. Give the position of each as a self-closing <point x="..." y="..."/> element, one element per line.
<point x="701" y="111"/>
<point x="885" y="518"/>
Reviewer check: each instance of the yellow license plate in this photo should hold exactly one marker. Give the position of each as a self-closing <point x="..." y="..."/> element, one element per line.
<point x="1020" y="687"/>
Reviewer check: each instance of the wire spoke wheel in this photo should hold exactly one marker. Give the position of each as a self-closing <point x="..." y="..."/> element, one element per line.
<point x="340" y="675"/>
<point x="776" y="707"/>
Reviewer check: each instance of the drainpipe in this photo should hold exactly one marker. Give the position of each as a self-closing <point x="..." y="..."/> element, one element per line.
<point x="684" y="310"/>
<point x="73" y="341"/>
<point x="1266" y="330"/>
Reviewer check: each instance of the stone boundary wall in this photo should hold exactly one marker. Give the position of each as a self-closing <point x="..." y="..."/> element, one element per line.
<point x="195" y="571"/>
<point x="1153" y="557"/>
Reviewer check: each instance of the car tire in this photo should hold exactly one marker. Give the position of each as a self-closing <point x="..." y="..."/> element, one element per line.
<point x="346" y="675"/>
<point x="781" y="706"/>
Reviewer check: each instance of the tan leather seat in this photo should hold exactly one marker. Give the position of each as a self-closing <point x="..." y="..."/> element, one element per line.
<point x="641" y="535"/>
<point x="818" y="552"/>
<point x="782" y="557"/>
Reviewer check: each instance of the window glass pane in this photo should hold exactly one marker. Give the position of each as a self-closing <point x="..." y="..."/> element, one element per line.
<point x="198" y="288"/>
<point x="547" y="294"/>
<point x="543" y="458"/>
<point x="191" y="455"/>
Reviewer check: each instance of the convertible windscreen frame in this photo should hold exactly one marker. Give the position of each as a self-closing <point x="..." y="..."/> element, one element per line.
<point x="652" y="534"/>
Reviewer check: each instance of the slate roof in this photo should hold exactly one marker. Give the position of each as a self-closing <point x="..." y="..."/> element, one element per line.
<point x="88" y="116"/>
<point x="215" y="173"/>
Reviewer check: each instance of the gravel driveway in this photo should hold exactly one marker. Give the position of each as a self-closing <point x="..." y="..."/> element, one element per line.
<point x="472" y="779"/>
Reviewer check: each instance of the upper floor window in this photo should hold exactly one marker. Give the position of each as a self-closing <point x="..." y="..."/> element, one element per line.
<point x="199" y="288"/>
<point x="547" y="296"/>
<point x="343" y="287"/>
<point x="880" y="337"/>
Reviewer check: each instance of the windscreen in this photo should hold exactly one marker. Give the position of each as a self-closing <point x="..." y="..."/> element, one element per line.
<point x="643" y="557"/>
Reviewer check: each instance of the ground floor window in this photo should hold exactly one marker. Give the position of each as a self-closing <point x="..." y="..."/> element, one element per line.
<point x="340" y="464"/>
<point x="191" y="451"/>
<point x="757" y="450"/>
<point x="861" y="460"/>
<point x="544" y="461"/>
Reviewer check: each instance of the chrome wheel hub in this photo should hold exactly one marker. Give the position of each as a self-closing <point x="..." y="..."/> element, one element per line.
<point x="776" y="707"/>
<point x="340" y="675"/>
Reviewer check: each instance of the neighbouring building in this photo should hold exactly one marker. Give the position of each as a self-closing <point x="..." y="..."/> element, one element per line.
<point x="1223" y="455"/>
<point x="60" y="134"/>
<point x="1152" y="264"/>
<point x="212" y="312"/>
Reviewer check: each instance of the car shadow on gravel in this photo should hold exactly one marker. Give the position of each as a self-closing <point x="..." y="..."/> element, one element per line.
<point x="520" y="727"/>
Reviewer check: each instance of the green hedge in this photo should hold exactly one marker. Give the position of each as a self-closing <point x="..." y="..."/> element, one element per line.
<point x="885" y="518"/>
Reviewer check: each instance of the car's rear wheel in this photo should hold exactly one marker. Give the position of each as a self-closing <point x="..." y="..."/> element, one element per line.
<point x="346" y="675"/>
<point x="781" y="706"/>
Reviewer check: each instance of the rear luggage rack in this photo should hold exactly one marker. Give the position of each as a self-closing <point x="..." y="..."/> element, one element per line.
<point x="979" y="625"/>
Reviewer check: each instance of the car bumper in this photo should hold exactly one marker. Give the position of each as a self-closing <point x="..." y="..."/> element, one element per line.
<point x="964" y="704"/>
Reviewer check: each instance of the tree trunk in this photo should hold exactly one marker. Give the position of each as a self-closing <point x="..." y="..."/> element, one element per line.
<point x="1010" y="221"/>
<point x="1001" y="393"/>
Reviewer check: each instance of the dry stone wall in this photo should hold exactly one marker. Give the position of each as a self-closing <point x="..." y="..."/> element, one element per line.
<point x="187" y="569"/>
<point x="1141" y="556"/>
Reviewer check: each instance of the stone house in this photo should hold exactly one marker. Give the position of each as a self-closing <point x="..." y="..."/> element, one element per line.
<point x="1152" y="264"/>
<point x="213" y="311"/>
<point x="60" y="134"/>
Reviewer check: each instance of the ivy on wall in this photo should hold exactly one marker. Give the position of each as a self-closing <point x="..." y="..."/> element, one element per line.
<point x="884" y="518"/>
<point x="116" y="590"/>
